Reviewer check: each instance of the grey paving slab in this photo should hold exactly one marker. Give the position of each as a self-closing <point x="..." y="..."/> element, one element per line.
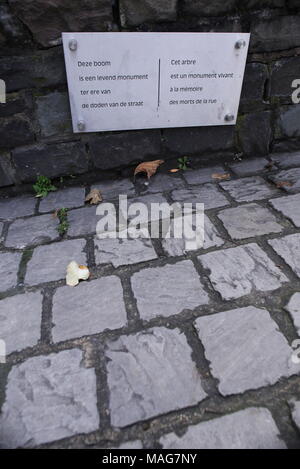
<point x="252" y="428"/>
<point x="245" y="349"/>
<point x="48" y="398"/>
<point x="164" y="183"/>
<point x="248" y="167"/>
<point x="248" y="221"/>
<point x="20" y="321"/>
<point x="293" y="307"/>
<point x="66" y="198"/>
<point x="111" y="190"/>
<point x="146" y="200"/>
<point x="168" y="290"/>
<point x="202" y="175"/>
<point x="123" y="251"/>
<point x="151" y="373"/>
<point x="16" y="207"/>
<point x="286" y="160"/>
<point x="288" y="248"/>
<point x="178" y="247"/>
<point x="296" y="412"/>
<point x="82" y="221"/>
<point x="289" y="206"/>
<point x="242" y="270"/>
<point x="248" y="189"/>
<point x="32" y="231"/>
<point x="49" y="263"/>
<point x="208" y="194"/>
<point x="9" y="265"/>
<point x="290" y="178"/>
<point x="89" y="308"/>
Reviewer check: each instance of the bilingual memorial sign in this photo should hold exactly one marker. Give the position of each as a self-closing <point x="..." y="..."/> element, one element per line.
<point x="124" y="81"/>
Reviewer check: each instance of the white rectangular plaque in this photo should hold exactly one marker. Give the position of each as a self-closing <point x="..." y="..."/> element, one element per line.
<point x="123" y="81"/>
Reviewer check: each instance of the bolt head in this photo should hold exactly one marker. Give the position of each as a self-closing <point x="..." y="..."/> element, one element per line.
<point x="81" y="126"/>
<point x="73" y="44"/>
<point x="240" y="44"/>
<point x="229" y="117"/>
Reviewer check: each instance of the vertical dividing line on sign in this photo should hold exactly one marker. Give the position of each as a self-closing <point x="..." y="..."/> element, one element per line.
<point x="158" y="97"/>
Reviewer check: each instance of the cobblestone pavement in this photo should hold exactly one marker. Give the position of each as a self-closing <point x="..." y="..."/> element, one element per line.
<point x="161" y="348"/>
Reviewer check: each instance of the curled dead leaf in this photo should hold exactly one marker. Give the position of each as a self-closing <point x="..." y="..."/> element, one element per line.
<point x="220" y="177"/>
<point x="280" y="184"/>
<point x="94" y="197"/>
<point x="175" y="170"/>
<point x="149" y="167"/>
<point x="75" y="273"/>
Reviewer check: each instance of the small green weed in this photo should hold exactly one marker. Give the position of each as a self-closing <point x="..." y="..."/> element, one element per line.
<point x="183" y="163"/>
<point x="62" y="215"/>
<point x="43" y="186"/>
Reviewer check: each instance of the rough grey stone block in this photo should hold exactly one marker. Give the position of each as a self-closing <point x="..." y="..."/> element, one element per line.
<point x="136" y="444"/>
<point x="293" y="307"/>
<point x="286" y="160"/>
<point x="53" y="160"/>
<point x="275" y="34"/>
<point x="177" y="246"/>
<point x="48" y="397"/>
<point x="249" y="220"/>
<point x="88" y="309"/>
<point x="143" y="380"/>
<point x="248" y="189"/>
<point x="203" y="8"/>
<point x="67" y="198"/>
<point x="164" y="291"/>
<point x="164" y="183"/>
<point x="58" y="16"/>
<point x="252" y="428"/>
<point x="111" y="190"/>
<point x="289" y="207"/>
<point x="208" y="194"/>
<point x="255" y="133"/>
<point x="239" y="271"/>
<point x="291" y="178"/>
<point x="49" y="263"/>
<point x="200" y="176"/>
<point x="17" y="207"/>
<point x="245" y="349"/>
<point x="255" y="77"/>
<point x="296" y="412"/>
<point x="283" y="73"/>
<point x="113" y="150"/>
<point x="20" y="321"/>
<point x="288" y="249"/>
<point x="287" y="124"/>
<point x="123" y="251"/>
<point x="136" y="12"/>
<point x="53" y="114"/>
<point x="9" y="265"/>
<point x="15" y="131"/>
<point x="250" y="166"/>
<point x="32" y="231"/>
<point x="6" y="170"/>
<point x="82" y="221"/>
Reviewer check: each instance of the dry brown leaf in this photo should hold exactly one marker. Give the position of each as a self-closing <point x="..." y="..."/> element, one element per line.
<point x="280" y="184"/>
<point x="148" y="167"/>
<point x="55" y="214"/>
<point x="220" y="177"/>
<point x="94" y="197"/>
<point x="175" y="170"/>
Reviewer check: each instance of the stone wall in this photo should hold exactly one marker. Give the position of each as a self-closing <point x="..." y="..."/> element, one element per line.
<point x="35" y="126"/>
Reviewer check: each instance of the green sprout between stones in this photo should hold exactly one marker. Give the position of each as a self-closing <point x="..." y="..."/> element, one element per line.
<point x="43" y="186"/>
<point x="62" y="215"/>
<point x="183" y="163"/>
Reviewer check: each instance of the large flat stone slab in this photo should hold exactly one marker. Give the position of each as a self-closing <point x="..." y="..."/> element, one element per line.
<point x="293" y="307"/>
<point x="82" y="221"/>
<point x="248" y="167"/>
<point x="208" y="194"/>
<point x="48" y="398"/>
<point x="164" y="183"/>
<point x="168" y="290"/>
<point x="242" y="270"/>
<point x="67" y="198"/>
<point x="151" y="373"/>
<point x="89" y="308"/>
<point x="245" y="349"/>
<point x="9" y="266"/>
<point x="248" y="189"/>
<point x="111" y="190"/>
<point x="288" y="248"/>
<point x="289" y="206"/>
<point x="249" y="220"/>
<point x="252" y="428"/>
<point x="17" y="207"/>
<point x="49" y="263"/>
<point x="123" y="251"/>
<point x="20" y="321"/>
<point x="202" y="175"/>
<point x="288" y="179"/>
<point x="286" y="160"/>
<point x="32" y="231"/>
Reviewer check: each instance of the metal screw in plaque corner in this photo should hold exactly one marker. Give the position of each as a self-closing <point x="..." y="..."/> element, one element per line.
<point x="240" y="44"/>
<point x="73" y="44"/>
<point x="229" y="117"/>
<point x="81" y="126"/>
